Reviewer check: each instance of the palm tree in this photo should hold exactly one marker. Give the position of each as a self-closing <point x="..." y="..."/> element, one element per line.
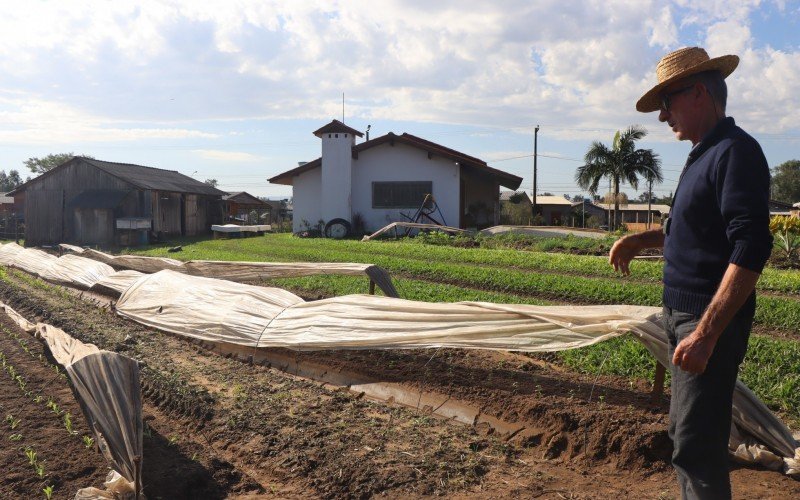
<point x="621" y="163"/>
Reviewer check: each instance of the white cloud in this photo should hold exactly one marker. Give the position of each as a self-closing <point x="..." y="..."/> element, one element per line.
<point x="571" y="65"/>
<point x="32" y="121"/>
<point x="664" y="32"/>
<point x="727" y="37"/>
<point x="227" y="156"/>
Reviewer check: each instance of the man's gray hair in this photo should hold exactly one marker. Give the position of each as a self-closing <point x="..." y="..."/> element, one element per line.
<point x="716" y="86"/>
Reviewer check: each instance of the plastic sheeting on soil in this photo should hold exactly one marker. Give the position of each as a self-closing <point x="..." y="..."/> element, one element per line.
<point x="413" y="225"/>
<point x="106" y="385"/>
<point x="78" y="271"/>
<point x="117" y="282"/>
<point x="218" y="311"/>
<point x="233" y="228"/>
<point x="240" y="271"/>
<point x="546" y="232"/>
<point x="8" y="252"/>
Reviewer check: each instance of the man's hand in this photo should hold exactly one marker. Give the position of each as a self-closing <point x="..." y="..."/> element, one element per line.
<point x="693" y="353"/>
<point x="621" y="254"/>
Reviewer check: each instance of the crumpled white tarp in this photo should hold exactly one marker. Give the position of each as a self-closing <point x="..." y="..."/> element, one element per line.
<point x="77" y="271"/>
<point x="181" y="303"/>
<point x="8" y="252"/>
<point x="33" y="261"/>
<point x="108" y="391"/>
<point x="240" y="271"/>
<point x="220" y="311"/>
<point x="233" y="228"/>
<point x="139" y="263"/>
<point x="413" y="226"/>
<point x="117" y="282"/>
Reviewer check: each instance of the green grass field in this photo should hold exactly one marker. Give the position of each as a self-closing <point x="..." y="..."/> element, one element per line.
<point x="448" y="274"/>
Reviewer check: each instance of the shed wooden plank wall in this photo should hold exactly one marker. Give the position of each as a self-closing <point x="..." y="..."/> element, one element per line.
<point x="46" y="221"/>
<point x="166" y="213"/>
<point x="42" y="226"/>
<point x="94" y="226"/>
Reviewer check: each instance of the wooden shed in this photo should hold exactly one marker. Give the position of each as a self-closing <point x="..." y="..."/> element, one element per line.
<point x="244" y="208"/>
<point x="92" y="202"/>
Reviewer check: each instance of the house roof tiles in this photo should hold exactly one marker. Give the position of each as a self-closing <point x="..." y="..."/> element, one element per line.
<point x="471" y="163"/>
<point x="336" y="127"/>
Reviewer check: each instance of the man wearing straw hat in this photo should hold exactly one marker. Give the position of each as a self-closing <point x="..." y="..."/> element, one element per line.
<point x="716" y="242"/>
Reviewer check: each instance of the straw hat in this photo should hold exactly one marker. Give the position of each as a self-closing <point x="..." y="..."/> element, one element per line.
<point x="680" y="64"/>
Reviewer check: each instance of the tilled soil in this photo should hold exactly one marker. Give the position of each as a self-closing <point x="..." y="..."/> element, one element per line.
<point x="34" y="409"/>
<point x="221" y="428"/>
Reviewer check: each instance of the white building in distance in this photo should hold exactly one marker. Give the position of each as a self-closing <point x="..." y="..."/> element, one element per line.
<point x="385" y="180"/>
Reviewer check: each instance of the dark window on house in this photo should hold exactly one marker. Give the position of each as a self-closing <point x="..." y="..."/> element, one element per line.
<point x="400" y="194"/>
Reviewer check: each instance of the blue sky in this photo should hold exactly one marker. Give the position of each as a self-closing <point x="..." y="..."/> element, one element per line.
<point x="232" y="90"/>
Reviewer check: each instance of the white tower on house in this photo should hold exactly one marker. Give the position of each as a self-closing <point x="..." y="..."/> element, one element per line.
<point x="337" y="166"/>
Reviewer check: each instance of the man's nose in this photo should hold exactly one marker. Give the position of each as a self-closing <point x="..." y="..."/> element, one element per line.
<point x="663" y="115"/>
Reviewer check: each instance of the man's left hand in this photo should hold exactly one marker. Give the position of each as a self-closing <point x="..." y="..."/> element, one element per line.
<point x="693" y="353"/>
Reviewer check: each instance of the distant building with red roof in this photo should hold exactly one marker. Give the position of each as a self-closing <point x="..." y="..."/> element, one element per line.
<point x="385" y="180"/>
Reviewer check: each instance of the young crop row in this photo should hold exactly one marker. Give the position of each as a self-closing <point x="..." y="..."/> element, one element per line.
<point x="15" y="435"/>
<point x="285" y="247"/>
<point x="771" y="368"/>
<point x="778" y="312"/>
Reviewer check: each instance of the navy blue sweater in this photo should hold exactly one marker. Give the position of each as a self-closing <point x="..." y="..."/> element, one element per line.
<point x="719" y="215"/>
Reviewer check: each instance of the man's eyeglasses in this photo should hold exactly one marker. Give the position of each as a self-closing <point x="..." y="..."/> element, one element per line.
<point x="665" y="98"/>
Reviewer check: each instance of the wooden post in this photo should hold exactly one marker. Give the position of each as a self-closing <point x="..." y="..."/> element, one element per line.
<point x="658" y="383"/>
<point x="371" y="287"/>
<point x="137" y="477"/>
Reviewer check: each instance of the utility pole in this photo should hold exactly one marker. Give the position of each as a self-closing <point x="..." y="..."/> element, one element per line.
<point x="535" y="154"/>
<point x="650" y="203"/>
<point x="610" y="195"/>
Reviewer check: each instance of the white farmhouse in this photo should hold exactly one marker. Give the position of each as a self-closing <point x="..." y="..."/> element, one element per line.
<point x="385" y="180"/>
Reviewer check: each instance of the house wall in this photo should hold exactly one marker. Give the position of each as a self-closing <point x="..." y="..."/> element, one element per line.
<point x="336" y="175"/>
<point x="400" y="163"/>
<point x="306" y="191"/>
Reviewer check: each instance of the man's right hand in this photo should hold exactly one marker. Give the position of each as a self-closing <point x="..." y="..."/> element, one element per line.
<point x="623" y="251"/>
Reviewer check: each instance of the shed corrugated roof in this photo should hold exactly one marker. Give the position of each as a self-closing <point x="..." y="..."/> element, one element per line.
<point x="243" y="197"/>
<point x="154" y="178"/>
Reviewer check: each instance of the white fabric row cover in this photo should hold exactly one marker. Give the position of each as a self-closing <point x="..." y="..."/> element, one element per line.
<point x="108" y="390"/>
<point x="233" y="228"/>
<point x="8" y="252"/>
<point x="86" y="268"/>
<point x="240" y="271"/>
<point x="220" y="311"/>
<point x="410" y="226"/>
<point x="117" y="282"/>
<point x="68" y="269"/>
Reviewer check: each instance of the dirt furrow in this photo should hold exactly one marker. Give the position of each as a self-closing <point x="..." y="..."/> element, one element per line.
<point x="249" y="429"/>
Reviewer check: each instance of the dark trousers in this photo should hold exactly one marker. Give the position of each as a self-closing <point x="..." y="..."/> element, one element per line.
<point x="700" y="408"/>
